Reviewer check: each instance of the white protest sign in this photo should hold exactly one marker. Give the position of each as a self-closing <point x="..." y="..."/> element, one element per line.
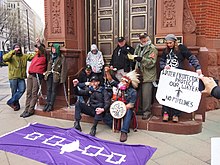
<point x="179" y="89"/>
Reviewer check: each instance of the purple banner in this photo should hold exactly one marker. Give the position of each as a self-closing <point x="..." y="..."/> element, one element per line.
<point x="53" y="145"/>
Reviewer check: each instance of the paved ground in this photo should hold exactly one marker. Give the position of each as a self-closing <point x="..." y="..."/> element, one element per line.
<point x="172" y="149"/>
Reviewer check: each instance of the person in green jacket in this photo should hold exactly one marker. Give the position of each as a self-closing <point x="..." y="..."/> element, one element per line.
<point x="56" y="74"/>
<point x="146" y="63"/>
<point x="17" y="66"/>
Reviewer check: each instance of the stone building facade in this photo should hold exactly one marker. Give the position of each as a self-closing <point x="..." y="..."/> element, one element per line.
<point x="207" y="18"/>
<point x="195" y="22"/>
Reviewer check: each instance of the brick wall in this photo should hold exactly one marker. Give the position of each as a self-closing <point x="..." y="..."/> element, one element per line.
<point x="207" y="16"/>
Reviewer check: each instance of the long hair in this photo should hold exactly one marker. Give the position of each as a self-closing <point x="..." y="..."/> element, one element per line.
<point x="175" y="49"/>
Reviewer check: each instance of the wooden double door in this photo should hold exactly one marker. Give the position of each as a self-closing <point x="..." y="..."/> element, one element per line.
<point x="109" y="19"/>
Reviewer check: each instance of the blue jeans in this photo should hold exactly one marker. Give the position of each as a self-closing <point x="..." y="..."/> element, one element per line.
<point x="127" y="120"/>
<point x="18" y="88"/>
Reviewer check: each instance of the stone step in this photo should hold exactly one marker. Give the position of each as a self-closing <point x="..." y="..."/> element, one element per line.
<point x="186" y="125"/>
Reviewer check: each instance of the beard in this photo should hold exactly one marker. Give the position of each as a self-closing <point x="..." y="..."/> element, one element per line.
<point x="18" y="52"/>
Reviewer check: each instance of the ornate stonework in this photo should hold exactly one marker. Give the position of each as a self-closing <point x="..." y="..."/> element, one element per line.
<point x="56" y="17"/>
<point x="169" y="13"/>
<point x="189" y="24"/>
<point x="70" y="17"/>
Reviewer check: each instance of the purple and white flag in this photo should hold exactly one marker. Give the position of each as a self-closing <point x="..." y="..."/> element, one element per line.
<point x="53" y="145"/>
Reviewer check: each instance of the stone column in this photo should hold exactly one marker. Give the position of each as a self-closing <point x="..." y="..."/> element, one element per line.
<point x="169" y="19"/>
<point x="65" y="24"/>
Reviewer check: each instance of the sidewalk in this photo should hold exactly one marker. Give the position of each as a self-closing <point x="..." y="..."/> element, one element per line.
<point x="172" y="149"/>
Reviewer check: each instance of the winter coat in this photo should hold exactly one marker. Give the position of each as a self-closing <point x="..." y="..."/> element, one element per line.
<point x="120" y="59"/>
<point x="38" y="64"/>
<point x="17" y="64"/>
<point x="57" y="67"/>
<point x="95" y="61"/>
<point x="98" y="98"/>
<point x="176" y="59"/>
<point x="147" y="65"/>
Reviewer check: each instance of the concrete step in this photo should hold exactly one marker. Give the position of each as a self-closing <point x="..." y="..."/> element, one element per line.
<point x="186" y="125"/>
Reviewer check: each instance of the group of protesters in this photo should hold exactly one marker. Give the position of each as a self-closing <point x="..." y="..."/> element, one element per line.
<point x="129" y="77"/>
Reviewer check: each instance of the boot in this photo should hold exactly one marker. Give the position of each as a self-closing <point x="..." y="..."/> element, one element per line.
<point x="77" y="126"/>
<point x="50" y="108"/>
<point x="123" y="137"/>
<point x="23" y="114"/>
<point x="93" y="131"/>
<point x="46" y="107"/>
<point x="17" y="106"/>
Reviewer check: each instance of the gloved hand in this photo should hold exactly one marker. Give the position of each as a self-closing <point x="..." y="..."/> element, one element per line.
<point x="138" y="59"/>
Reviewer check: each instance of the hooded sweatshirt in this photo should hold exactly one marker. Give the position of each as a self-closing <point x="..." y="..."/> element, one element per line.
<point x="95" y="60"/>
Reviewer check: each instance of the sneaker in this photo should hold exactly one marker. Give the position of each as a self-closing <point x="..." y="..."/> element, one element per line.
<point x="165" y="117"/>
<point x="77" y="126"/>
<point x="123" y="137"/>
<point x="93" y="131"/>
<point x="175" y="119"/>
<point x="146" y="115"/>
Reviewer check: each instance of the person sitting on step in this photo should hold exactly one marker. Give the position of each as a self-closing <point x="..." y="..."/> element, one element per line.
<point x="99" y="102"/>
<point x="128" y="84"/>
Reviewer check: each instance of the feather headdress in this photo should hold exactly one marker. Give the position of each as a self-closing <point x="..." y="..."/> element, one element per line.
<point x="132" y="77"/>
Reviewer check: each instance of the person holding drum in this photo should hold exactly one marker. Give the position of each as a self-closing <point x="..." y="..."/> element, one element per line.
<point x="127" y="96"/>
<point x="99" y="102"/>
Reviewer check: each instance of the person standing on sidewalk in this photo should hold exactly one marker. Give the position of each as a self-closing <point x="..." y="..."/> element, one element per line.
<point x="36" y="70"/>
<point x="17" y="66"/>
<point x="146" y="63"/>
<point x="56" y="74"/>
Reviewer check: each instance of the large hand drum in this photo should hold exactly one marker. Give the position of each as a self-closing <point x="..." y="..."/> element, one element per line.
<point x="118" y="109"/>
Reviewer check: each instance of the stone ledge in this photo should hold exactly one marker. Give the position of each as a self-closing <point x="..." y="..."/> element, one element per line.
<point x="154" y="123"/>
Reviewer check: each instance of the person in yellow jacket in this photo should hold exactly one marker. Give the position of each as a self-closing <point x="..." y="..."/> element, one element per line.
<point x="17" y="66"/>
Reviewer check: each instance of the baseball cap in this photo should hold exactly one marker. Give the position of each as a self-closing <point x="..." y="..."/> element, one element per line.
<point x="120" y="39"/>
<point x="143" y="35"/>
<point x="94" y="78"/>
<point x="88" y="67"/>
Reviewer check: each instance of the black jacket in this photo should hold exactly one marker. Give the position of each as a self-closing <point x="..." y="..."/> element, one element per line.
<point x="120" y="59"/>
<point x="176" y="59"/>
<point x="83" y="77"/>
<point x="97" y="98"/>
<point x="216" y="92"/>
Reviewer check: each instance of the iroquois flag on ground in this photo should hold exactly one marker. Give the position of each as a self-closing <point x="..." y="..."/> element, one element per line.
<point x="53" y="145"/>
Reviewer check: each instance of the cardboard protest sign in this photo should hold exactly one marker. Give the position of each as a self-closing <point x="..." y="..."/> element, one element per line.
<point x="179" y="89"/>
